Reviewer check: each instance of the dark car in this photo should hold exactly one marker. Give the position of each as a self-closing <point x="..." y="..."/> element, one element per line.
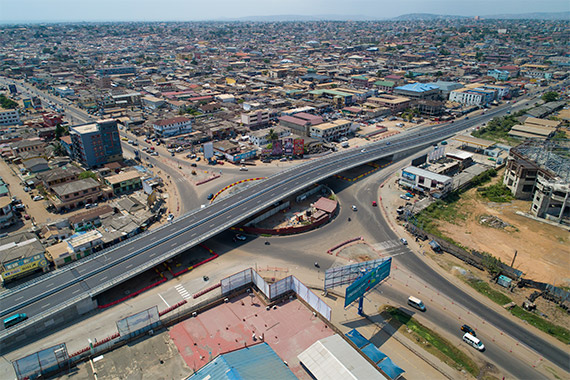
<point x="468" y="329"/>
<point x="210" y="196"/>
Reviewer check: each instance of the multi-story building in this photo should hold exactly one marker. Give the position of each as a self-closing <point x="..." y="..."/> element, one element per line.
<point x="551" y="199"/>
<point x="125" y="182"/>
<point x="77" y="193"/>
<point x="96" y="144"/>
<point x="9" y="117"/>
<point x="7" y="217"/>
<point x="172" y="127"/>
<point x="499" y="74"/>
<point x="416" y="91"/>
<point x="420" y="179"/>
<point x="261" y="138"/>
<point x="333" y="130"/>
<point x="256" y="119"/>
<point x="394" y="103"/>
<point x="117" y="70"/>
<point x="21" y="254"/>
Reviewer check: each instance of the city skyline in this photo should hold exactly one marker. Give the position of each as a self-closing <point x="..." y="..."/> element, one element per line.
<point x="35" y="11"/>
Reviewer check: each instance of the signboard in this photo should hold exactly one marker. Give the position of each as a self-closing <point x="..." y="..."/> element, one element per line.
<point x="410" y="176"/>
<point x="346" y="274"/>
<point x="420" y="160"/>
<point x="299" y="147"/>
<point x="367" y="282"/>
<point x="208" y="150"/>
<point x="288" y="146"/>
<point x="13" y="89"/>
<point x="265" y="152"/>
<point x="27" y="103"/>
<point x="277" y="148"/>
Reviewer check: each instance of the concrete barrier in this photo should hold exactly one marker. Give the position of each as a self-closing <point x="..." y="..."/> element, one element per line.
<point x="330" y="251"/>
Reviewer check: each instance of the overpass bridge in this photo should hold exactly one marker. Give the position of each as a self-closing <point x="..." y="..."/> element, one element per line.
<point x="52" y="298"/>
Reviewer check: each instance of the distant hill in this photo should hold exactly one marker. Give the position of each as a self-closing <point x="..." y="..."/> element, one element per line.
<point x="532" y="16"/>
<point x="425" y="17"/>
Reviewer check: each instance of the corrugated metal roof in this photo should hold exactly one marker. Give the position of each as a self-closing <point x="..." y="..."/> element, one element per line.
<point x="254" y="362"/>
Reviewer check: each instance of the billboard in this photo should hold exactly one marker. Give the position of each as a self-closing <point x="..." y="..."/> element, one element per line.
<point x="27" y="103"/>
<point x="420" y="160"/>
<point x="346" y="274"/>
<point x="367" y="282"/>
<point x="13" y="89"/>
<point x="288" y="146"/>
<point x="208" y="150"/>
<point x="265" y="152"/>
<point x="410" y="176"/>
<point x="299" y="147"/>
<point x="277" y="148"/>
<point x="139" y="321"/>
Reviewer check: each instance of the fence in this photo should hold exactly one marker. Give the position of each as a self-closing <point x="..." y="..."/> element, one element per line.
<point x="273" y="291"/>
<point x="43" y="362"/>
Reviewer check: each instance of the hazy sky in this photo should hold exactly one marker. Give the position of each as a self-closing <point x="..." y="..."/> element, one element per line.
<point x="189" y="10"/>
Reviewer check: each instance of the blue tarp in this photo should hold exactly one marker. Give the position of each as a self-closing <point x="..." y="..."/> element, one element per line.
<point x="373" y="353"/>
<point x="357" y="338"/>
<point x="390" y="368"/>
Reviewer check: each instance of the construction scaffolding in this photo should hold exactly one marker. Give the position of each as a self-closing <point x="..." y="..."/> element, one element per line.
<point x="553" y="156"/>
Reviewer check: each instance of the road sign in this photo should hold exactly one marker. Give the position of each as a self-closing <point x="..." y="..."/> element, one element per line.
<point x="367" y="282"/>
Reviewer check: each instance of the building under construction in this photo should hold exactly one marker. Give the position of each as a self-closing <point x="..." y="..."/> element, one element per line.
<point x="540" y="171"/>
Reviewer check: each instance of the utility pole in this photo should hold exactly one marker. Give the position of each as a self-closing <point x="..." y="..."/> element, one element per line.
<point x="514" y="257"/>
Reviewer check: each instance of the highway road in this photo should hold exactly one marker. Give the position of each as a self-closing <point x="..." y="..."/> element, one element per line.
<point x="89" y="275"/>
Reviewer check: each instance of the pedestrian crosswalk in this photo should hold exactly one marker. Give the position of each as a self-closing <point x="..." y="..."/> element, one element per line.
<point x="387" y="245"/>
<point x="182" y="291"/>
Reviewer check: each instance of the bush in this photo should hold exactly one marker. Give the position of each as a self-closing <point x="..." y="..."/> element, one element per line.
<point x="496" y="193"/>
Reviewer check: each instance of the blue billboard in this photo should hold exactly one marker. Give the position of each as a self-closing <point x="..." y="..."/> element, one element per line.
<point x="367" y="282"/>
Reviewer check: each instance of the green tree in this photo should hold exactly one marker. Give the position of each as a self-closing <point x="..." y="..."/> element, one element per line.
<point x="58" y="149"/>
<point x="87" y="174"/>
<point x="550" y="96"/>
<point x="7" y="103"/>
<point x="266" y="61"/>
<point x="272" y="136"/>
<point x="60" y="131"/>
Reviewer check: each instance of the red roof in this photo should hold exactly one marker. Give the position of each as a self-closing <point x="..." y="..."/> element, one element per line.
<point x="326" y="205"/>
<point x="174" y="120"/>
<point x="314" y="119"/>
<point x="293" y="120"/>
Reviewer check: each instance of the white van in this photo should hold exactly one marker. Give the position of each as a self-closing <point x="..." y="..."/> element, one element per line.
<point x="417" y="303"/>
<point x="473" y="341"/>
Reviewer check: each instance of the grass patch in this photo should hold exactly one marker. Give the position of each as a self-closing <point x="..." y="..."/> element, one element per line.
<point x="484" y="288"/>
<point x="498" y="193"/>
<point x="431" y="341"/>
<point x="559" y="332"/>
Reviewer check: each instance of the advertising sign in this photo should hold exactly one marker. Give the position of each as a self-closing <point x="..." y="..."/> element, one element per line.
<point x="288" y="146"/>
<point x="277" y="148"/>
<point x="208" y="150"/>
<point x="298" y="147"/>
<point x="27" y="103"/>
<point x="410" y="176"/>
<point x="37" y="102"/>
<point x="265" y="152"/>
<point x="367" y="282"/>
<point x="13" y="89"/>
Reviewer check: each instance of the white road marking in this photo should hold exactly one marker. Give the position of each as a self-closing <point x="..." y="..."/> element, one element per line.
<point x="182" y="291"/>
<point x="19" y="298"/>
<point x="173" y="244"/>
<point x="167" y="305"/>
<point x="129" y="266"/>
<point x="77" y="291"/>
<point x="103" y="278"/>
<point x="46" y="305"/>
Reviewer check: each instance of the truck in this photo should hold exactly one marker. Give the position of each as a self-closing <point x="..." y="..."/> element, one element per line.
<point x="344" y="144"/>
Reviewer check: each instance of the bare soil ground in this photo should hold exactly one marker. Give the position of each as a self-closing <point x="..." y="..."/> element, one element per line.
<point x="542" y="249"/>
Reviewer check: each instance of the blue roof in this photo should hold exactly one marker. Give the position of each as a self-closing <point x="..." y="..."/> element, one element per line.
<point x="390" y="368"/>
<point x="417" y="87"/>
<point x="357" y="338"/>
<point x="255" y="362"/>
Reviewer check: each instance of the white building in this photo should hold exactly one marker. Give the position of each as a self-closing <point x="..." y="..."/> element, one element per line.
<point x="464" y="96"/>
<point x="330" y="131"/>
<point x="255" y="118"/>
<point x="426" y="181"/>
<point x="172" y="127"/>
<point x="9" y="117"/>
<point x="64" y="91"/>
<point x="260" y="138"/>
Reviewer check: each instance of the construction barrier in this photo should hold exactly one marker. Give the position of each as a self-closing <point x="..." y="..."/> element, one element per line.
<point x="202" y="292"/>
<point x="344" y="243"/>
<point x="234" y="184"/>
<point x="208" y="180"/>
<point x="173" y="307"/>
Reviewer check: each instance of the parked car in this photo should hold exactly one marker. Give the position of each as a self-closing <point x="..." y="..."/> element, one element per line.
<point x="210" y="196"/>
<point x="27" y="189"/>
<point x="170" y="218"/>
<point x="38" y="198"/>
<point x="404" y="241"/>
<point x="240" y="237"/>
<point x="154" y="154"/>
<point x="468" y="329"/>
<point x="193" y="164"/>
<point x="354" y="208"/>
<point x="243" y="169"/>
<point x="404" y="197"/>
<point x="26" y="216"/>
<point x="91" y="205"/>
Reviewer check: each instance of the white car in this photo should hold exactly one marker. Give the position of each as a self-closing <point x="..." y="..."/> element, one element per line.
<point x="362" y="150"/>
<point x="240" y="237"/>
<point x="354" y="208"/>
<point x="404" y="241"/>
<point x="38" y="198"/>
<point x="404" y="197"/>
<point x="243" y="169"/>
<point x="170" y="218"/>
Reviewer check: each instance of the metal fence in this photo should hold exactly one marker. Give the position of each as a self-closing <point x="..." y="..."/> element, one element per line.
<point x="42" y="362"/>
<point x="139" y="322"/>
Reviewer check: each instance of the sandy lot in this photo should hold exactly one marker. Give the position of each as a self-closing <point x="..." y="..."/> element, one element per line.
<point x="543" y="253"/>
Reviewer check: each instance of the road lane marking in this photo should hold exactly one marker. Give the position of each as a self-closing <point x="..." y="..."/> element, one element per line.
<point x="167" y="305"/>
<point x="182" y="291"/>
<point x="129" y="266"/>
<point x="103" y="278"/>
<point x="173" y="244"/>
<point x="77" y="291"/>
<point x="19" y="298"/>
<point x="46" y="305"/>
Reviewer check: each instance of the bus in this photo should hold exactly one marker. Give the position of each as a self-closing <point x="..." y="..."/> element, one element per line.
<point x="14" y="320"/>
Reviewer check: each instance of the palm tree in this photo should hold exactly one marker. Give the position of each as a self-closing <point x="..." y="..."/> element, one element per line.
<point x="272" y="136"/>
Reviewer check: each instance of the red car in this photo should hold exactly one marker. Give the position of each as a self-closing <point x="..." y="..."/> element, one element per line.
<point x="374" y="204"/>
<point x="26" y="216"/>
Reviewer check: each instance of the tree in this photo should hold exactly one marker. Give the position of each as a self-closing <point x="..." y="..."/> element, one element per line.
<point x="272" y="136"/>
<point x="550" y="96"/>
<point x="266" y="61"/>
<point x="58" y="149"/>
<point x="87" y="174"/>
<point x="60" y="131"/>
